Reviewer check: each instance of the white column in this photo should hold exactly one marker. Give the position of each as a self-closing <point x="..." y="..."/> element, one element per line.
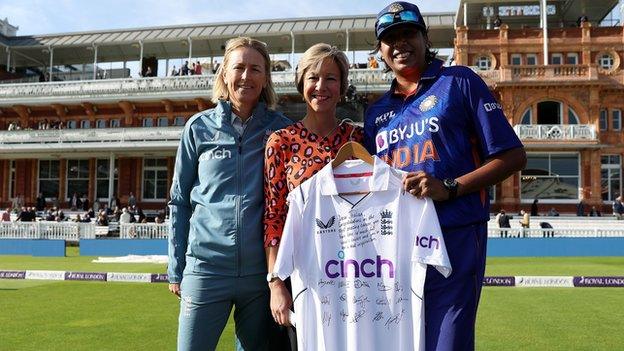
<point x="190" y="42"/>
<point x="465" y="14"/>
<point x="95" y="49"/>
<point x="544" y="14"/>
<point x="51" y="61"/>
<point x="292" y="50"/>
<point x="111" y="176"/>
<point x="141" y="58"/>
<point x="166" y="67"/>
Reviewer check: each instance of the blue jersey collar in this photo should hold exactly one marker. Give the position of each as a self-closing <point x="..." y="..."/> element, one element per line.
<point x="432" y="71"/>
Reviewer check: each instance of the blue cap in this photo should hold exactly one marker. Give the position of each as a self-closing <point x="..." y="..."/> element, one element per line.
<point x="398" y="13"/>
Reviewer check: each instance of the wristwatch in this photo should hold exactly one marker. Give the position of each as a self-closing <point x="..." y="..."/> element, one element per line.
<point x="451" y="185"/>
<point x="271" y="277"/>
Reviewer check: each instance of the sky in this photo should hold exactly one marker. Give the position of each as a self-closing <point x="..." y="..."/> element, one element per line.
<point x="62" y="16"/>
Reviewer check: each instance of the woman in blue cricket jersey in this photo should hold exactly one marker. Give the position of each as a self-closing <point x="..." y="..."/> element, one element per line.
<point x="443" y="126"/>
<point x="216" y="254"/>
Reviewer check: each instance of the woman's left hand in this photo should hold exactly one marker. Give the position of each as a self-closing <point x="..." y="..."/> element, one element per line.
<point x="421" y="184"/>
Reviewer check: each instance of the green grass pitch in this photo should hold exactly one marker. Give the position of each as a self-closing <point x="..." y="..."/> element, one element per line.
<point x="49" y="315"/>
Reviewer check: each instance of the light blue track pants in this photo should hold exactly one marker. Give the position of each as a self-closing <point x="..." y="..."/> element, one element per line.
<point x="205" y="307"/>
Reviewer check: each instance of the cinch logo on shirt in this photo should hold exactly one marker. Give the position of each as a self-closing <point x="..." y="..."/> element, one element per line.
<point x="393" y="136"/>
<point x="367" y="268"/>
<point x="218" y="154"/>
<point x="428" y="242"/>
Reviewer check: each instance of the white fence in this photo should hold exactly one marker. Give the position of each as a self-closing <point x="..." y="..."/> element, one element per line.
<point x="495" y="232"/>
<point x="143" y="231"/>
<point x="47" y="230"/>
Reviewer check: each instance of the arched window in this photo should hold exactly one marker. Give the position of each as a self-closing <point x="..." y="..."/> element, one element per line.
<point x="572" y="116"/>
<point x="549" y="112"/>
<point x="526" y="117"/>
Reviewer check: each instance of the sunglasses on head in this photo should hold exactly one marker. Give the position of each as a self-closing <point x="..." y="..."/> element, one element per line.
<point x="403" y="16"/>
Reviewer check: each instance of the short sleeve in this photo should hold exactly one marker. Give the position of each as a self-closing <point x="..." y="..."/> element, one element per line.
<point x="285" y="261"/>
<point x="429" y="246"/>
<point x="494" y="132"/>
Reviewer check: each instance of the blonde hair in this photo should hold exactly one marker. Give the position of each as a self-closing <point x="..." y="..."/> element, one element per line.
<point x="313" y="59"/>
<point x="220" y="91"/>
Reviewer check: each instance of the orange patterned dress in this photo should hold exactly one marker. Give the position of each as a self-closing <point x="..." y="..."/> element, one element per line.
<point x="293" y="155"/>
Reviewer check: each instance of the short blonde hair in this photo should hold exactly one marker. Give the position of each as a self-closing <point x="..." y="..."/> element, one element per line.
<point x="313" y="59"/>
<point x="220" y="91"/>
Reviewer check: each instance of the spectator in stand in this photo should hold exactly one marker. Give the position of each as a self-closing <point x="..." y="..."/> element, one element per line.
<point x="102" y="219"/>
<point x="116" y="213"/>
<point x="581" y="20"/>
<point x="114" y="201"/>
<point x="503" y="223"/>
<point x="525" y="222"/>
<point x="137" y="211"/>
<point x="553" y="212"/>
<point x="174" y="71"/>
<point x="534" y="211"/>
<point x="158" y="220"/>
<point x="91" y="213"/>
<point x="6" y="215"/>
<point x="580" y="208"/>
<point x="77" y="218"/>
<point x="192" y="69"/>
<point x="618" y="208"/>
<point x="372" y="62"/>
<point x="22" y="215"/>
<point x="41" y="202"/>
<point x="595" y="212"/>
<point x="184" y="71"/>
<point x="131" y="200"/>
<point x="60" y="216"/>
<point x="148" y="72"/>
<point x="49" y="216"/>
<point x="198" y="68"/>
<point x="125" y="216"/>
<point x="86" y="218"/>
<point x="497" y="22"/>
<point x="85" y="202"/>
<point x="75" y="203"/>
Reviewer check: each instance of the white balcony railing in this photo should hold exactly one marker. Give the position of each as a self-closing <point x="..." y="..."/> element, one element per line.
<point x="54" y="138"/>
<point x="562" y="132"/>
<point x="163" y="87"/>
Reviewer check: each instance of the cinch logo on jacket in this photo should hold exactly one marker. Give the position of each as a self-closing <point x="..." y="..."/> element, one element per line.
<point x="217" y="154"/>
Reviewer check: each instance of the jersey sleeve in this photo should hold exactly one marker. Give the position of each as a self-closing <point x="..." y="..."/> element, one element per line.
<point x="275" y="190"/>
<point x="495" y="134"/>
<point x="370" y="131"/>
<point x="429" y="247"/>
<point x="285" y="261"/>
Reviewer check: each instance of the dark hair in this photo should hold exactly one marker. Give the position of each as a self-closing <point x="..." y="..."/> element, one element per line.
<point x="430" y="54"/>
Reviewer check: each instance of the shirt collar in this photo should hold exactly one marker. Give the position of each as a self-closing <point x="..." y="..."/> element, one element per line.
<point x="378" y="182"/>
<point x="431" y="72"/>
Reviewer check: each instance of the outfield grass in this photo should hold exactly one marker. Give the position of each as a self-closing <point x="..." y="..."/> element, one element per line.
<point x="47" y="315"/>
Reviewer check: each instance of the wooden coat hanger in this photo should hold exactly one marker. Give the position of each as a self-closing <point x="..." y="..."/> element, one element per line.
<point x="349" y="150"/>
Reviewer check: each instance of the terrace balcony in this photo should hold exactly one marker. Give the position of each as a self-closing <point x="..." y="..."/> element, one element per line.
<point x="89" y="140"/>
<point x="154" y="88"/>
<point x="557" y="135"/>
<point x="534" y="74"/>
